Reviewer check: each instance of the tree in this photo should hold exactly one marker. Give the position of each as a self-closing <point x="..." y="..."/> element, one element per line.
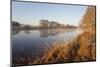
<point x="44" y="23"/>
<point x="27" y="27"/>
<point x="15" y="23"/>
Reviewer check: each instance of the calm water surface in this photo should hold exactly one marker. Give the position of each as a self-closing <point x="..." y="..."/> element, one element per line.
<point x="33" y="43"/>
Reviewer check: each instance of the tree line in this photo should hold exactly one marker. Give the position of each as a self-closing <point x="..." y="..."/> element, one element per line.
<point x="43" y="24"/>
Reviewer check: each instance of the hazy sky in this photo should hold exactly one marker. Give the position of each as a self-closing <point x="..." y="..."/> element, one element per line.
<point x="31" y="13"/>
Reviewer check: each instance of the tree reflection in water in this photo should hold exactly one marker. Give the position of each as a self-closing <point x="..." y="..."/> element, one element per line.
<point x="53" y="32"/>
<point x="27" y="31"/>
<point x="44" y="33"/>
<point x="15" y="32"/>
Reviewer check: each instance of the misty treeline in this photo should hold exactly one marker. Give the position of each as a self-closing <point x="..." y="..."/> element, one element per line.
<point x="43" y="24"/>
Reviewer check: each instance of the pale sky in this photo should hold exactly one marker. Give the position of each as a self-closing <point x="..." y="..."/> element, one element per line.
<point x="31" y="12"/>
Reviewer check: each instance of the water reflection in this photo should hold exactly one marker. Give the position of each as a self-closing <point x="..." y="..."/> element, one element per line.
<point x="27" y="31"/>
<point x="34" y="43"/>
<point x="46" y="32"/>
<point x="54" y="32"/>
<point x="15" y="32"/>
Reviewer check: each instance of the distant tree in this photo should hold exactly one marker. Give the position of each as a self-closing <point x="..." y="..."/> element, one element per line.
<point x="53" y="24"/>
<point x="44" y="23"/>
<point x="70" y="26"/>
<point x="15" y="23"/>
<point x="27" y="27"/>
<point x="50" y="24"/>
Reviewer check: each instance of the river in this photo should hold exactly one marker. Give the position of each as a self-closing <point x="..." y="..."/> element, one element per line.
<point x="32" y="43"/>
